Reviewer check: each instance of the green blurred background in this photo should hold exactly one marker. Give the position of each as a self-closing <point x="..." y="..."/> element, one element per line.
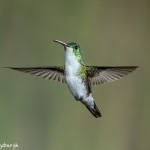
<point x="39" y="114"/>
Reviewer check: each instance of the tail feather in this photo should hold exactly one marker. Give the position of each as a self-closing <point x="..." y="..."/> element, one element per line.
<point x="95" y="112"/>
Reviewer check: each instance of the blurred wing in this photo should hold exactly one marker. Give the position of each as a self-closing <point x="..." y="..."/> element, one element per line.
<point x="49" y="73"/>
<point x="99" y="75"/>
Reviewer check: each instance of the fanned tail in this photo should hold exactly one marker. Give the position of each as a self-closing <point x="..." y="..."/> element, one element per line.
<point x="95" y="112"/>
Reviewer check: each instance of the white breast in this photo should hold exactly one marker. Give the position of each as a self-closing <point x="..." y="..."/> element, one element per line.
<point x="75" y="84"/>
<point x="77" y="87"/>
<point x="71" y="63"/>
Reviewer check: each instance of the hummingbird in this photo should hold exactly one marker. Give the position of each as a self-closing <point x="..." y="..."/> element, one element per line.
<point x="79" y="77"/>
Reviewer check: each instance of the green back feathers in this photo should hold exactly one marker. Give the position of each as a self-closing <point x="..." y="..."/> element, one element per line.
<point x="82" y="71"/>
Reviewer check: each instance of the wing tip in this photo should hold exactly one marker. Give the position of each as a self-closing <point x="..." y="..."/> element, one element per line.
<point x="13" y="68"/>
<point x="10" y="67"/>
<point x="133" y="67"/>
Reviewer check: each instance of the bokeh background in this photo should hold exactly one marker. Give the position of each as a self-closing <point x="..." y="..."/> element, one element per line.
<point x="39" y="114"/>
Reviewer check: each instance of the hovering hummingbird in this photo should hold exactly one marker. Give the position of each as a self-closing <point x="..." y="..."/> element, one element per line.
<point x="79" y="77"/>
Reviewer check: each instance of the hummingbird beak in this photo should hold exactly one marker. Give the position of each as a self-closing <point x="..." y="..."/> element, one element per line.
<point x="62" y="43"/>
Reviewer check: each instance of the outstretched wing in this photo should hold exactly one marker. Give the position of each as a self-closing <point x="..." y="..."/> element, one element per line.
<point x="50" y="73"/>
<point x="99" y="75"/>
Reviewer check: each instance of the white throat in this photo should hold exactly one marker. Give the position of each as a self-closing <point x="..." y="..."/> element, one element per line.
<point x="71" y="63"/>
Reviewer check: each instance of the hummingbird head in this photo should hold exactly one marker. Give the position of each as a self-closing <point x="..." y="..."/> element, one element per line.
<point x="73" y="48"/>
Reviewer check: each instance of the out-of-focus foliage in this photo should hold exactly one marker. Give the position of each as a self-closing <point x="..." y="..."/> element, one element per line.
<point x="39" y="114"/>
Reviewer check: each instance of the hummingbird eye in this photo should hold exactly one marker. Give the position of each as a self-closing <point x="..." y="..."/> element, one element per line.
<point x="76" y="47"/>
